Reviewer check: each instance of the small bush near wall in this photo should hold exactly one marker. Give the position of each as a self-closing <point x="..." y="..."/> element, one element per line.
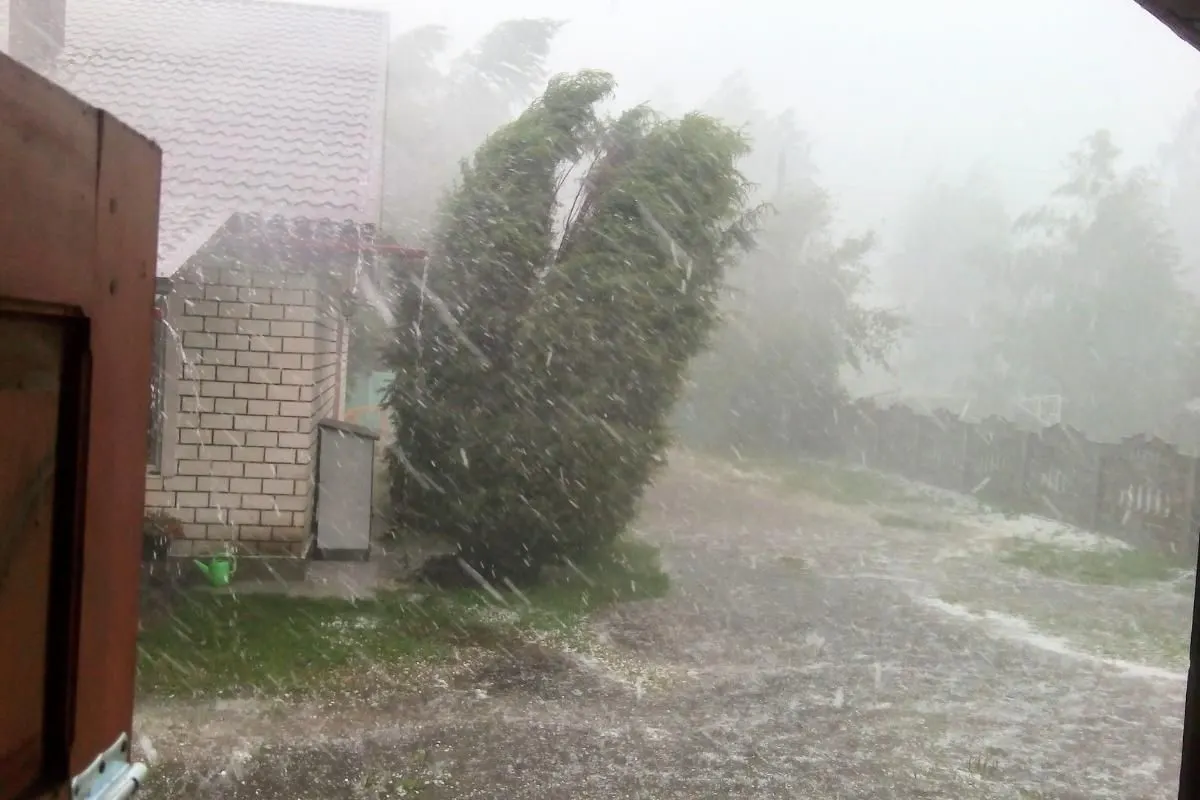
<point x="159" y="529"/>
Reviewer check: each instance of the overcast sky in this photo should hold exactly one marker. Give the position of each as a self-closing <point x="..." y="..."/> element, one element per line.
<point x="891" y="91"/>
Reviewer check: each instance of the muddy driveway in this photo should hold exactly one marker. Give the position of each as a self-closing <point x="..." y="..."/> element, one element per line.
<point x="800" y="653"/>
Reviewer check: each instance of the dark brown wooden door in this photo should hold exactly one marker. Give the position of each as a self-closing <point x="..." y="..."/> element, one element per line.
<point x="78" y="231"/>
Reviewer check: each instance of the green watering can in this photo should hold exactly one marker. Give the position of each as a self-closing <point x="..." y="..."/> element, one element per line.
<point x="218" y="569"/>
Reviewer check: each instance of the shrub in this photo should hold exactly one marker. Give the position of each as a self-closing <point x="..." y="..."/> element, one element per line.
<point x="534" y="382"/>
<point x="159" y="529"/>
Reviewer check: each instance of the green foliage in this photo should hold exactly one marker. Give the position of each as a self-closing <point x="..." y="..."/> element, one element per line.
<point x="1090" y="307"/>
<point x="438" y="116"/>
<point x="953" y="242"/>
<point x="369" y="334"/>
<point x="158" y="524"/>
<point x="631" y="299"/>
<point x="534" y="380"/>
<point x="780" y="160"/>
<point x="772" y="381"/>
<point x="1104" y="567"/>
<point x="794" y="314"/>
<point x="1181" y="172"/>
<point x="850" y="486"/>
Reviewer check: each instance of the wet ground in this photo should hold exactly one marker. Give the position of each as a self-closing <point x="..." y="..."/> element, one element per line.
<point x="804" y="651"/>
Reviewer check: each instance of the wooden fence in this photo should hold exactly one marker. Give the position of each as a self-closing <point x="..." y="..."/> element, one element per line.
<point x="1142" y="490"/>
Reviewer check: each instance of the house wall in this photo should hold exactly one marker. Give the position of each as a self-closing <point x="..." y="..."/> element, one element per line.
<point x="327" y="363"/>
<point x="329" y="378"/>
<point x="256" y="368"/>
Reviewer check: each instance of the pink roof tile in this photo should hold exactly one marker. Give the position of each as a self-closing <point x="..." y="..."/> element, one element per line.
<point x="259" y="106"/>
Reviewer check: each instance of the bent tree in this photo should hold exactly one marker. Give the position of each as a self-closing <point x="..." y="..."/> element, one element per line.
<point x="537" y="363"/>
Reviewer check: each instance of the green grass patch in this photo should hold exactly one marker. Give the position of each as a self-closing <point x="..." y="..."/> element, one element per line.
<point x="630" y="570"/>
<point x="1162" y="642"/>
<point x="1156" y="635"/>
<point x="795" y="563"/>
<point x="839" y="483"/>
<point x="842" y="483"/>
<point x="1101" y="567"/>
<point x="891" y="519"/>
<point x="230" y="643"/>
<point x="984" y="765"/>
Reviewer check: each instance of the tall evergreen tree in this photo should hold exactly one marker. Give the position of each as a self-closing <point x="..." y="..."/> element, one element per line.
<point x="1181" y="185"/>
<point x="535" y="370"/>
<point x="1091" y="307"/>
<point x="795" y="320"/>
<point x="437" y="116"/>
<point x="953" y="242"/>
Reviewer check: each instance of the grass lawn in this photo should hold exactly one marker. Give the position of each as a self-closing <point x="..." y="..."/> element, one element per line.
<point x="1148" y="625"/>
<point x="839" y="483"/>
<point x="1101" y="567"/>
<point x="896" y="505"/>
<point x="892" y="519"/>
<point x="1155" y="636"/>
<point x="229" y="643"/>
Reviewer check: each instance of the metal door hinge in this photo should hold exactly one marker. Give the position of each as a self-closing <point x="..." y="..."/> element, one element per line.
<point x="112" y="776"/>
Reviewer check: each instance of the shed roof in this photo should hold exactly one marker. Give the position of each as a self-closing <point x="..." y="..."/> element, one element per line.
<point x="259" y="106"/>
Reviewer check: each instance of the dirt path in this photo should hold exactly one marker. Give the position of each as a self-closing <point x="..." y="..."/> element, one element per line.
<point x="801" y="653"/>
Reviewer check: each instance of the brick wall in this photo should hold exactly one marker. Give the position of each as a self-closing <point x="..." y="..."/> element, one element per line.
<point x="257" y="368"/>
<point x="329" y="337"/>
<point x="327" y="362"/>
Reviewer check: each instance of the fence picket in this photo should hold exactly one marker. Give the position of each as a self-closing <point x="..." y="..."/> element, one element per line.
<point x="1143" y="490"/>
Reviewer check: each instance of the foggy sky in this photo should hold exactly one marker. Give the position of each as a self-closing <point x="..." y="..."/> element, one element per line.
<point x="890" y="92"/>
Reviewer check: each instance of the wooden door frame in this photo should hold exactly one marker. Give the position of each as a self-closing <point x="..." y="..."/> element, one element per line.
<point x="78" y="238"/>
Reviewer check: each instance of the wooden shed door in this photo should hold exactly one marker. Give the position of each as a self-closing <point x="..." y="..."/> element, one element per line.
<point x="78" y="222"/>
<point x="36" y="354"/>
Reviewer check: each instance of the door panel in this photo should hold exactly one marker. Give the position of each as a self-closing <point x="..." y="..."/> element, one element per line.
<point x="78" y="237"/>
<point x="31" y="363"/>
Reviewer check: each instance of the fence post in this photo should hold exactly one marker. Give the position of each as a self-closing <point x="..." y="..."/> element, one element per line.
<point x="914" y="463"/>
<point x="1022" y="487"/>
<point x="877" y="455"/>
<point x="964" y="473"/>
<point x="1098" y="494"/>
<point x="1190" y="533"/>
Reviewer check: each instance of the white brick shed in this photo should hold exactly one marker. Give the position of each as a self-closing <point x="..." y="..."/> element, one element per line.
<point x="252" y="357"/>
<point x="260" y="107"/>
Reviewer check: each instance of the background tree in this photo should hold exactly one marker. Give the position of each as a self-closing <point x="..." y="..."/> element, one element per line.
<point x="794" y="322"/>
<point x="952" y="242"/>
<point x="1180" y="167"/>
<point x="780" y="157"/>
<point x="1091" y="307"/>
<point x="630" y="302"/>
<point x="535" y="368"/>
<point x="440" y="108"/>
<point x="794" y="313"/>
